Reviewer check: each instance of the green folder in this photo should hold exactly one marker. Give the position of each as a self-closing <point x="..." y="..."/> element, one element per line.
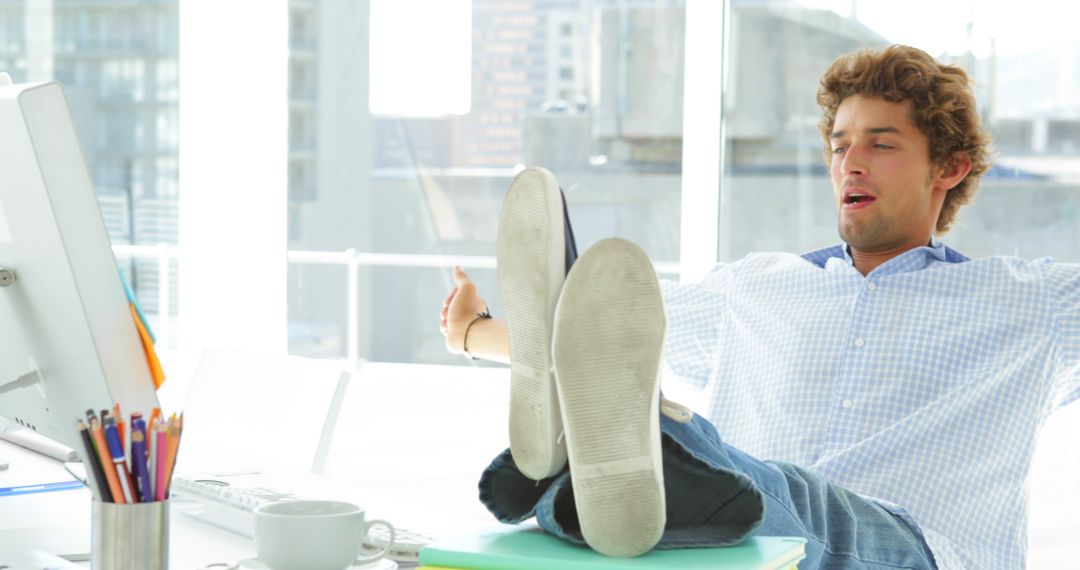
<point x="527" y="547"/>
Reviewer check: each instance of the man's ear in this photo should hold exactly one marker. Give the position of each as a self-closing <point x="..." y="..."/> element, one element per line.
<point x="953" y="170"/>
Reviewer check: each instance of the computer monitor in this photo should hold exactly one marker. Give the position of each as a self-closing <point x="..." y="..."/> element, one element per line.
<point x="68" y="341"/>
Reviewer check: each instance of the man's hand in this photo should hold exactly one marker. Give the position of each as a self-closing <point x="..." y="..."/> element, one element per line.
<point x="459" y="309"/>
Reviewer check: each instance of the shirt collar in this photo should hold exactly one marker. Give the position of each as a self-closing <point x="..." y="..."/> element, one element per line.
<point x="837" y="257"/>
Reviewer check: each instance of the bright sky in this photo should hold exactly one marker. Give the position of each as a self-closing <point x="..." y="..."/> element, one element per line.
<point x="421" y="58"/>
<point x="939" y="26"/>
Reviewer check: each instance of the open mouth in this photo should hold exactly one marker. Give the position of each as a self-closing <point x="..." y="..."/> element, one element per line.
<point x="857" y="199"/>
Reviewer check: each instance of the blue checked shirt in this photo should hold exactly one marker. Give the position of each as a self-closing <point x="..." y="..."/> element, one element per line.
<point x="923" y="383"/>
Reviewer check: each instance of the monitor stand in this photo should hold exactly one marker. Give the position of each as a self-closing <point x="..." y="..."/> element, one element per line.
<point x="25" y="381"/>
<point x="29" y="439"/>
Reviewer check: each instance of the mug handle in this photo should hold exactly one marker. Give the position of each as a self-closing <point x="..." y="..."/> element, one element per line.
<point x="385" y="549"/>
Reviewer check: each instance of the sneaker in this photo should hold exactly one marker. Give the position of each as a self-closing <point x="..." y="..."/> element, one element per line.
<point x="534" y="250"/>
<point x="609" y="335"/>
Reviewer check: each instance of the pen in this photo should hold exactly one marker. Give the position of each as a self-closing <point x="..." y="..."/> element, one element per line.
<point x="97" y="483"/>
<point x="138" y="459"/>
<point x="117" y="450"/>
<point x="137" y="416"/>
<point x="39" y="488"/>
<point x="105" y="457"/>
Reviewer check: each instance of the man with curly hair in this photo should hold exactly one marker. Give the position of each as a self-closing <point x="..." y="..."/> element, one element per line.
<point x="900" y="85"/>
<point x="880" y="398"/>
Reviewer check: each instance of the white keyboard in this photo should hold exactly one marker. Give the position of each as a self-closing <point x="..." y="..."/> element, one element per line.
<point x="229" y="501"/>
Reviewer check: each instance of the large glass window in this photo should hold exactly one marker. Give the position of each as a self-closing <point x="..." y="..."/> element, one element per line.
<point x="456" y="104"/>
<point x="405" y="134"/>
<point x="117" y="62"/>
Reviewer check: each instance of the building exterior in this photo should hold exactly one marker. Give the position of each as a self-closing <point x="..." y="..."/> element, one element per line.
<point x="117" y="61"/>
<point x="590" y="88"/>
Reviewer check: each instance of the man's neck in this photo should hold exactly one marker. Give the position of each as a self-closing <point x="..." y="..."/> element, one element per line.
<point x="867" y="261"/>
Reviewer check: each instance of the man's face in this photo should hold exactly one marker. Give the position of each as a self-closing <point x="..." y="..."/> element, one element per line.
<point x="882" y="176"/>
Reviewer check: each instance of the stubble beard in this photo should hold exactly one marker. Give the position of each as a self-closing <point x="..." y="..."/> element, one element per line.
<point x="868" y="235"/>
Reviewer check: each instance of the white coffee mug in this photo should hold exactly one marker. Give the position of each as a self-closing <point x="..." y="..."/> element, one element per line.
<point x="314" y="535"/>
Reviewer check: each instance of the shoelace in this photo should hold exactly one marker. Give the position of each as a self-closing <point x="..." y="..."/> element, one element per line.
<point x="675" y="411"/>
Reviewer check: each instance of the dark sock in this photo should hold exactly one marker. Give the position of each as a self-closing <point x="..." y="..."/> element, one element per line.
<point x="571" y="245"/>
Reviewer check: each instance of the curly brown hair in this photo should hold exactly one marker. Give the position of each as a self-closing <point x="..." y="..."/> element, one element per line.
<point x="942" y="107"/>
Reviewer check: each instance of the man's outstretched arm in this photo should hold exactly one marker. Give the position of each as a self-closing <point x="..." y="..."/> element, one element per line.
<point x="487" y="338"/>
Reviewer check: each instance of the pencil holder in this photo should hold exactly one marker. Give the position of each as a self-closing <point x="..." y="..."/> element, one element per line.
<point x="133" y="536"/>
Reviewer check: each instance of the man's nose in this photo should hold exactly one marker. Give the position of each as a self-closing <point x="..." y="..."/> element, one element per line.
<point x="854" y="162"/>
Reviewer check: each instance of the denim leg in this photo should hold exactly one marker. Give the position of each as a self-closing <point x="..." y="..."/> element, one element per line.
<point x="716" y="494"/>
<point x="508" y="494"/>
<point x="706" y="505"/>
<point x="842" y="528"/>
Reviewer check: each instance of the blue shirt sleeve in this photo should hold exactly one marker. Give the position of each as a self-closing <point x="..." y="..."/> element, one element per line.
<point x="693" y="311"/>
<point x="1064" y="281"/>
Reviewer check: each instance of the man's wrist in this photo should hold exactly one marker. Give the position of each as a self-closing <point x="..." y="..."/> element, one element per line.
<point x="465" y="338"/>
<point x="455" y="342"/>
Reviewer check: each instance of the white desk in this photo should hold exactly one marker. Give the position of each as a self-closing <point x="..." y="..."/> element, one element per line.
<point x="396" y="437"/>
<point x="193" y="544"/>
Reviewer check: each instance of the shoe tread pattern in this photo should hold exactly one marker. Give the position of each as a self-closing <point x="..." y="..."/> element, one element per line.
<point x="530" y="269"/>
<point x="608" y="341"/>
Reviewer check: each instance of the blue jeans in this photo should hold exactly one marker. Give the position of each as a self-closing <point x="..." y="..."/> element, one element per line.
<point x="717" y="495"/>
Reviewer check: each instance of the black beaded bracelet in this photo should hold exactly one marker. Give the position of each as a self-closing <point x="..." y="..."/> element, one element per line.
<point x="465" y="343"/>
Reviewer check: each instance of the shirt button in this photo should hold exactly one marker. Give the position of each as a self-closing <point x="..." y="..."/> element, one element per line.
<point x="847" y="403"/>
<point x="871" y="286"/>
<point x="859" y="342"/>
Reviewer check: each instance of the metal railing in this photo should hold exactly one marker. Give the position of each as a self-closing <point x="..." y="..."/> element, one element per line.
<point x="351" y="259"/>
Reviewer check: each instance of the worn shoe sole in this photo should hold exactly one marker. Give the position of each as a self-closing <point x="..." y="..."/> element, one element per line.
<point x="531" y="267"/>
<point x="609" y="335"/>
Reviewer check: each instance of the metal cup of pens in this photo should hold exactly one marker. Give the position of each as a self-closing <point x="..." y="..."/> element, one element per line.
<point x="130" y="485"/>
<point x="130" y="536"/>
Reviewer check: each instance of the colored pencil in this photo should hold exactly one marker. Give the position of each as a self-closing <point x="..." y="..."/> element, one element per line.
<point x="106" y="461"/>
<point x="173" y="438"/>
<point x="96" y="475"/>
<point x="155" y="414"/>
<point x="160" y="460"/>
<point x="151" y="455"/>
